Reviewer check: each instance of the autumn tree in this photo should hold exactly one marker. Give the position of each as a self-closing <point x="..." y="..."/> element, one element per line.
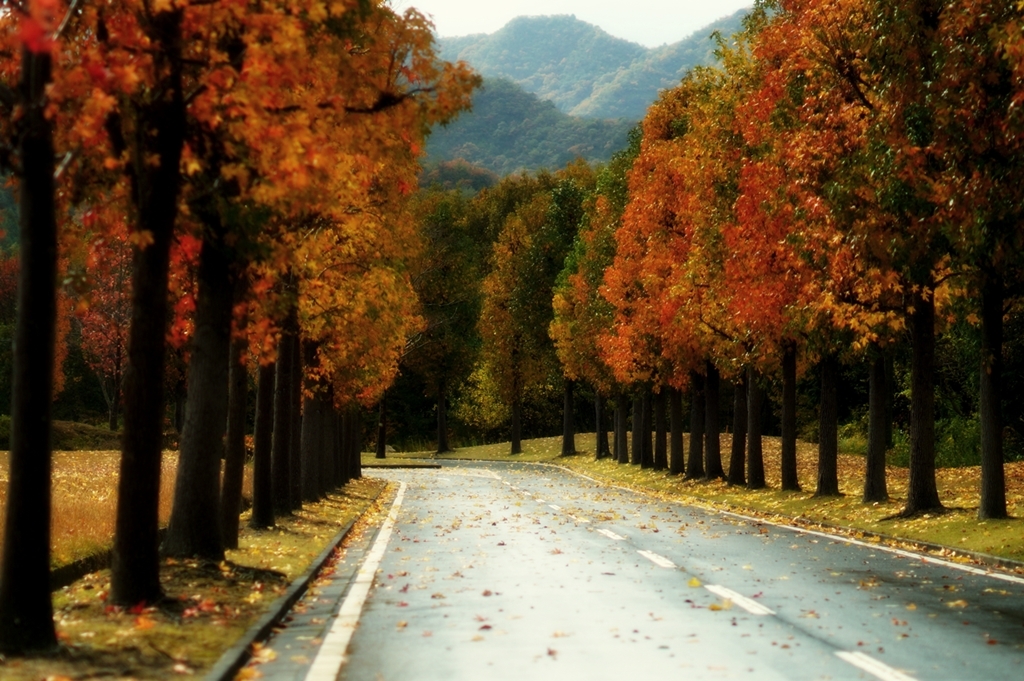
<point x="447" y="279"/>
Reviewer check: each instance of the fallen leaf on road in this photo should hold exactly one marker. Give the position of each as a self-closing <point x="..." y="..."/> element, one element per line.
<point x="960" y="603"/>
<point x="694" y="582"/>
<point x="402" y="624"/>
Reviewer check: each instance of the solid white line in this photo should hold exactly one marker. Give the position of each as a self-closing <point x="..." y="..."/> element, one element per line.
<point x="873" y="666"/>
<point x="333" y="652"/>
<point x="611" y="535"/>
<point x="834" y="537"/>
<point x="557" y="508"/>
<point x="889" y="549"/>
<point x="751" y="606"/>
<point x="660" y="561"/>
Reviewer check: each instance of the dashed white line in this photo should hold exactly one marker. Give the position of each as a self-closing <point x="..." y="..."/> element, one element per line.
<point x="751" y="606"/>
<point x="873" y="666"/>
<point x="506" y="482"/>
<point x="882" y="547"/>
<point x="611" y="535"/>
<point x="527" y="493"/>
<point x="333" y="651"/>
<point x="660" y="561"/>
<point x="577" y="518"/>
<point x="557" y="508"/>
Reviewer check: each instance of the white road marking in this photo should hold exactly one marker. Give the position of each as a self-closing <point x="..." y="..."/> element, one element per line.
<point x="751" y="606"/>
<point x="873" y="666"/>
<point x="557" y="508"/>
<point x="578" y="519"/>
<point x="527" y="493"/>
<point x="660" y="561"/>
<point x="333" y="652"/>
<point x="833" y="537"/>
<point x="611" y="535"/>
<point x="506" y="482"/>
<point x="889" y="549"/>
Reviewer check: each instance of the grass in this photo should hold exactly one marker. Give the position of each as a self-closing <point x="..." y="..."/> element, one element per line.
<point x="208" y="605"/>
<point x="85" y="496"/>
<point x="958" y="527"/>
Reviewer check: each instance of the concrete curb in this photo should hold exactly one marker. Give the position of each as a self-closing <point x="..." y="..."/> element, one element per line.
<point x="837" y="531"/>
<point x="235" y="657"/>
<point x="401" y="465"/>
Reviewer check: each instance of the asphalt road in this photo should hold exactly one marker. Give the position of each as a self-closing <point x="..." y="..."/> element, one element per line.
<point x="495" y="571"/>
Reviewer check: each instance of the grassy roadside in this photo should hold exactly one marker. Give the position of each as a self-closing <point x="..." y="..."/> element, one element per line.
<point x="208" y="605"/>
<point x="957" y="528"/>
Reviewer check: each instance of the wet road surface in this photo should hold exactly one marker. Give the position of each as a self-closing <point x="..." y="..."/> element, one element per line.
<point x="512" y="571"/>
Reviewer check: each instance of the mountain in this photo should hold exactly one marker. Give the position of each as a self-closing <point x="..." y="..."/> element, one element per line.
<point x="510" y="130"/>
<point x="581" y="68"/>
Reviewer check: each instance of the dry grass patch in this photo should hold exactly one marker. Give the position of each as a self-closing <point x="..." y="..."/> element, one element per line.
<point x="85" y="500"/>
<point x="207" y="608"/>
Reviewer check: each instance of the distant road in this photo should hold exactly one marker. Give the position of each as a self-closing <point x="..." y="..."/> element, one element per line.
<point x="506" y="571"/>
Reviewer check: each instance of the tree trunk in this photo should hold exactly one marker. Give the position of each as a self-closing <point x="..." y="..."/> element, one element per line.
<point x="234" y="456"/>
<point x="922" y="493"/>
<point x="344" y="445"/>
<point x="262" y="461"/>
<point x="114" y="408"/>
<point x="890" y="381"/>
<point x="197" y="482"/>
<point x="330" y="475"/>
<point x="737" y="455"/>
<point x="621" y="427"/>
<point x="601" y="449"/>
<point x="180" y="390"/>
<point x="26" y="611"/>
<point x="442" y="419"/>
<point x="282" y="439"/>
<point x="993" y="480"/>
<point x="159" y="134"/>
<point x="755" y="455"/>
<point x="675" y="449"/>
<point x="874" y="477"/>
<point x="568" y="422"/>
<point x="695" y="457"/>
<point x="712" y="427"/>
<point x="790" y="479"/>
<point x="647" y="450"/>
<point x="636" y="427"/>
<point x="314" y="427"/>
<point x="660" y="430"/>
<point x="382" y="426"/>
<point x="517" y="427"/>
<point x="828" y="429"/>
<point x="355" y="445"/>
<point x="295" y="427"/>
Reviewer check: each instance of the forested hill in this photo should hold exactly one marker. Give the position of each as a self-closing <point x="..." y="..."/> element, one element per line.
<point x="510" y="130"/>
<point x="581" y="68"/>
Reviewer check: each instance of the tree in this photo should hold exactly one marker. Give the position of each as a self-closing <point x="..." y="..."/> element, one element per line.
<point x="26" y="611"/>
<point x="447" y="280"/>
<point x="106" y="317"/>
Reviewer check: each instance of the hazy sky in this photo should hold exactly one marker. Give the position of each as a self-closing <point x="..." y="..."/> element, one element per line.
<point x="648" y="22"/>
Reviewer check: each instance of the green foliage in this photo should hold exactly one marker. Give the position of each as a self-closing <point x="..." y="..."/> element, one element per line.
<point x="582" y="69"/>
<point x="457" y="175"/>
<point x="510" y="130"/>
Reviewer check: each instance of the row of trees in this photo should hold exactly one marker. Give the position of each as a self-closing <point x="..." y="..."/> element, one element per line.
<point x="253" y="162"/>
<point x="839" y="187"/>
<point x="844" y="179"/>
